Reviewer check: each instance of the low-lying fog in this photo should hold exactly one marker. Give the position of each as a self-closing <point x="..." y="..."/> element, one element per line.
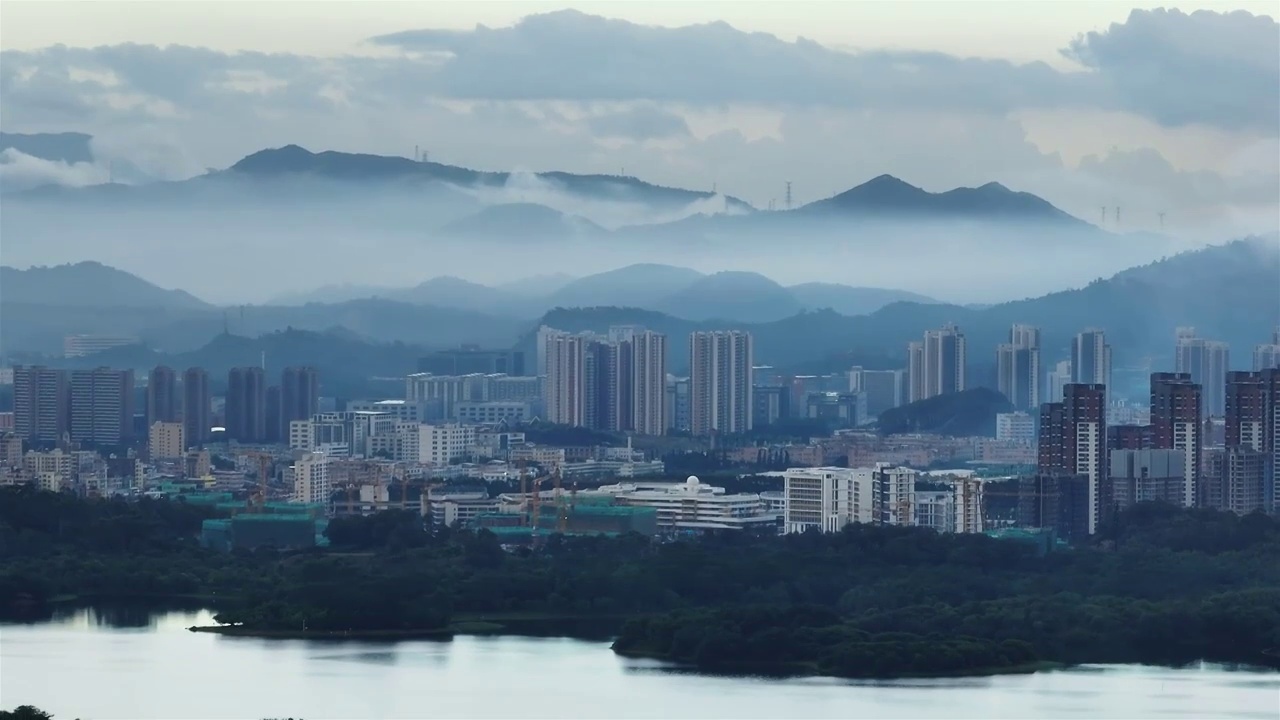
<point x="234" y="244"/>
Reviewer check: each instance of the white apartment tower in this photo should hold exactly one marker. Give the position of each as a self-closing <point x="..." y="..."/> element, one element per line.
<point x="564" y="389"/>
<point x="649" y="383"/>
<point x="1207" y="362"/>
<point x="311" y="478"/>
<point x="720" y="393"/>
<point x="915" y="371"/>
<point x="1091" y="358"/>
<point x="1018" y="367"/>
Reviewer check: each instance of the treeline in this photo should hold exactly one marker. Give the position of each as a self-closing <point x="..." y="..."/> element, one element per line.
<point x="1162" y="585"/>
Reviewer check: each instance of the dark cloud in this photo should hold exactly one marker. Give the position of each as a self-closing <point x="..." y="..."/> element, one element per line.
<point x="1217" y="69"/>
<point x="568" y="55"/>
<point x="1220" y="69"/>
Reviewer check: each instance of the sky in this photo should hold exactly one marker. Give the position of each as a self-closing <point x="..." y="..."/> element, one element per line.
<point x="1171" y="110"/>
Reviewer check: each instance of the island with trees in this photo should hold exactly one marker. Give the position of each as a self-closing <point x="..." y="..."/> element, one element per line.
<point x="1160" y="585"/>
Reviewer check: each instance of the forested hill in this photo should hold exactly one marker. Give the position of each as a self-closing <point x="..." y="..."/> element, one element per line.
<point x="1163" y="585"/>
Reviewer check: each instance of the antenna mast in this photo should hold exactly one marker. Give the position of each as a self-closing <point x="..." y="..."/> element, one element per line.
<point x="1161" y="220"/>
<point x="788" y="194"/>
<point x="1117" y="215"/>
<point x="1104" y="214"/>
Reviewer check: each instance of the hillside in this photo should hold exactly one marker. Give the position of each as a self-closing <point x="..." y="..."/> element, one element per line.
<point x="88" y="284"/>
<point x="346" y="365"/>
<point x="640" y="285"/>
<point x="887" y="195"/>
<point x="848" y="300"/>
<point x="731" y="296"/>
<point x="295" y="160"/>
<point x="962" y="414"/>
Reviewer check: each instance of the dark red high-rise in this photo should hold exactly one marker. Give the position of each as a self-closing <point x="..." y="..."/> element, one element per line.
<point x="1175" y="425"/>
<point x="1073" y="441"/>
<point x="1246" y="404"/>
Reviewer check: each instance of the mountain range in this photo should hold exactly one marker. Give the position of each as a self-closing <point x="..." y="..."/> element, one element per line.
<point x="382" y="216"/>
<point x="1228" y="292"/>
<point x="678" y="291"/>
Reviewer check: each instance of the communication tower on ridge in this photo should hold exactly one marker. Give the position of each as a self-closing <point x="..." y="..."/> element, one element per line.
<point x="788" y="194"/>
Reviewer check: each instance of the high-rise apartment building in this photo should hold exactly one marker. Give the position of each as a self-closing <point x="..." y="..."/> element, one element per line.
<point x="944" y="361"/>
<point x="1175" y="425"/>
<point x="1073" y="442"/>
<point x="1246" y="408"/>
<point x="196" y="407"/>
<point x="41" y="403"/>
<point x="1091" y="358"/>
<point x="649" y="383"/>
<point x="299" y="394"/>
<point x="1057" y="379"/>
<point x="618" y="385"/>
<point x="882" y="388"/>
<point x="720" y="391"/>
<point x="162" y="395"/>
<point x="1206" y="361"/>
<point x="247" y="405"/>
<point x="102" y="406"/>
<point x="311" y="482"/>
<point x="1018" y="367"/>
<point x="565" y="359"/>
<point x="165" y="441"/>
<point x="915" y="372"/>
<point x="1266" y="356"/>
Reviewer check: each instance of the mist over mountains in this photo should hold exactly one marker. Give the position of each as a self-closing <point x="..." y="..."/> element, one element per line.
<point x="340" y="218"/>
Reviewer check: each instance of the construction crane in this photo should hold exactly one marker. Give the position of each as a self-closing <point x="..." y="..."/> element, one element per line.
<point x="562" y="512"/>
<point x="402" y="476"/>
<point x="524" y="493"/>
<point x="258" y="501"/>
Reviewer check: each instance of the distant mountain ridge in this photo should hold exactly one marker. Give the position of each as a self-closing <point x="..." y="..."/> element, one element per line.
<point x="678" y="291"/>
<point x="89" y="284"/>
<point x="1138" y="308"/>
<point x="295" y="160"/>
<point x="885" y="195"/>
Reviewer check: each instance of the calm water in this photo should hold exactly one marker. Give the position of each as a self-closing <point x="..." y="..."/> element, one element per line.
<point x="99" y="665"/>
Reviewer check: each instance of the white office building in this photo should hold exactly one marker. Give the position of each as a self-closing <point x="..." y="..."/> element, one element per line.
<point x="826" y="498"/>
<point x="694" y="507"/>
<point x="1017" y="427"/>
<point x="442" y="444"/>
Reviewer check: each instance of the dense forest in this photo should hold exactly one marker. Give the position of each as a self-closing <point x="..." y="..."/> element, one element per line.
<point x="1161" y="585"/>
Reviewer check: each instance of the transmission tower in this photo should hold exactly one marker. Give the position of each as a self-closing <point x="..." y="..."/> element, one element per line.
<point x="788" y="195"/>
<point x="1161" y="215"/>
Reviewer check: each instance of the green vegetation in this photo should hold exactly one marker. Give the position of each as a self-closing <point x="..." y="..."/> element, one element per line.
<point x="1162" y="585"/>
<point x="960" y="414"/>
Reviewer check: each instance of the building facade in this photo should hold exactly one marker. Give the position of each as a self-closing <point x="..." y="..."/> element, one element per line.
<point x="720" y="389"/>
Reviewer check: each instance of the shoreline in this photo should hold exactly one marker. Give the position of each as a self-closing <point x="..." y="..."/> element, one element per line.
<point x="240" y="631"/>
<point x="810" y="670"/>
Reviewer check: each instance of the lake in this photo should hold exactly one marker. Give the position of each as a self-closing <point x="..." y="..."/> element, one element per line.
<point x="103" y="664"/>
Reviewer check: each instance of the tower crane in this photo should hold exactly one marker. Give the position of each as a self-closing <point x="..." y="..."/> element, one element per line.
<point x="258" y="501"/>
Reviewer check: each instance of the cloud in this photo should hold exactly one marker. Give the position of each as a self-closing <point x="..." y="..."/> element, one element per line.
<point x="19" y="171"/>
<point x="1220" y="69"/>
<point x="644" y="122"/>
<point x="701" y="106"/>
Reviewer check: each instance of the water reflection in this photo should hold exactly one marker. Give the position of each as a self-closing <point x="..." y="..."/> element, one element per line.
<point x="129" y="663"/>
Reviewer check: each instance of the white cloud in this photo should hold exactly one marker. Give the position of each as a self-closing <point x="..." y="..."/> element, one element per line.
<point x="19" y="171"/>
